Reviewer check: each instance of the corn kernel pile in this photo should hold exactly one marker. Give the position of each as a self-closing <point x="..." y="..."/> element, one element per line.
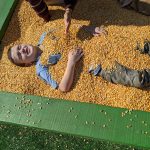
<point x="125" y="28"/>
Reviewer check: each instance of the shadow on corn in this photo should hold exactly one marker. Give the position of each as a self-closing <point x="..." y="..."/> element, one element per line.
<point x="14" y="30"/>
<point x="100" y="12"/>
<point x="107" y="13"/>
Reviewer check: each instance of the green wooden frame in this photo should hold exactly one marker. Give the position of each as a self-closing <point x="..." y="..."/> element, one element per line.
<point x="7" y="7"/>
<point x="120" y="126"/>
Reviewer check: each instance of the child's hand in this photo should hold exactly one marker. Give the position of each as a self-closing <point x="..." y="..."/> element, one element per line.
<point x="67" y="20"/>
<point x="74" y="56"/>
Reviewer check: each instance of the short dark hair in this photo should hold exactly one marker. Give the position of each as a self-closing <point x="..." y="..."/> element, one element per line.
<point x="12" y="61"/>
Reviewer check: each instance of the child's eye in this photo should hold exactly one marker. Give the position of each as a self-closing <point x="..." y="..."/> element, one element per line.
<point x="19" y="47"/>
<point x="19" y="55"/>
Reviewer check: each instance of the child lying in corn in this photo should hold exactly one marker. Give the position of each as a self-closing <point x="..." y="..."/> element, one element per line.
<point x="25" y="55"/>
<point x="40" y="6"/>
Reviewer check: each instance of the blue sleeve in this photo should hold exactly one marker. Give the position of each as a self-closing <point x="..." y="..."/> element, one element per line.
<point x="42" y="72"/>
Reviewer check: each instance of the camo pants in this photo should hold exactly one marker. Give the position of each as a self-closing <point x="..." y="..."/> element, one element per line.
<point x="128" y="77"/>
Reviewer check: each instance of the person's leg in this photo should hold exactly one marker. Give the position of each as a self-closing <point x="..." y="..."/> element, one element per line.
<point x="118" y="75"/>
<point x="125" y="3"/>
<point x="146" y="78"/>
<point x="40" y="8"/>
<point x="54" y="2"/>
<point x="125" y="76"/>
<point x="142" y="6"/>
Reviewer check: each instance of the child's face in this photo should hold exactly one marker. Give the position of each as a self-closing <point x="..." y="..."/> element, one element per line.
<point x="23" y="53"/>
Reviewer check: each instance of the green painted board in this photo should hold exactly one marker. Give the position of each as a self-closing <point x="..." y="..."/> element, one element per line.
<point x="81" y="119"/>
<point x="6" y="8"/>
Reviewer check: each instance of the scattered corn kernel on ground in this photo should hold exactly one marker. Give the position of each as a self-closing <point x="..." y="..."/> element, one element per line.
<point x="125" y="28"/>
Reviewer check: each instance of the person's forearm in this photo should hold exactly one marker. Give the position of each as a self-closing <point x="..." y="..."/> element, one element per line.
<point x="67" y="79"/>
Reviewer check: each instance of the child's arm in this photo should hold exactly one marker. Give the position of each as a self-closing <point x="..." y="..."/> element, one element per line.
<point x="67" y="79"/>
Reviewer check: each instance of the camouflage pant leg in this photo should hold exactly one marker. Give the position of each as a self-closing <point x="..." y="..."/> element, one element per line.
<point x="128" y="77"/>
